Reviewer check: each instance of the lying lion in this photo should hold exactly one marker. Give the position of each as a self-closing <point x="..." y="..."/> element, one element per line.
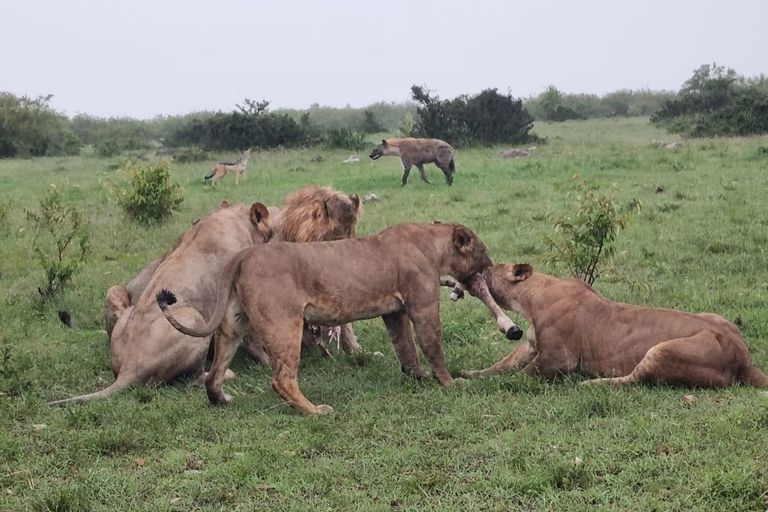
<point x="141" y="351"/>
<point x="394" y="274"/>
<point x="575" y="329"/>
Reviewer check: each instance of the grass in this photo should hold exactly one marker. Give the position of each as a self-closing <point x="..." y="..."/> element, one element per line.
<point x="394" y="444"/>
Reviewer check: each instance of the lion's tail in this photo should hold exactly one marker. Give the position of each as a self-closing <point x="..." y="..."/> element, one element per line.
<point x="226" y="281"/>
<point x="754" y="377"/>
<point x="123" y="381"/>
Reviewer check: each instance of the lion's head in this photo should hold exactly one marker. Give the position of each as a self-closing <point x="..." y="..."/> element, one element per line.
<point x="317" y="214"/>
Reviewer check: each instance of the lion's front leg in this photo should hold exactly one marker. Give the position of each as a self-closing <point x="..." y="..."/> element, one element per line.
<point x="429" y="333"/>
<point x="402" y="340"/>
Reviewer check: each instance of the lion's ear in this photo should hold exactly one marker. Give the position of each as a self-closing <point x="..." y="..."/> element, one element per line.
<point x="519" y="272"/>
<point x="355" y="200"/>
<point x="259" y="213"/>
<point x="224" y="204"/>
<point x="462" y="237"/>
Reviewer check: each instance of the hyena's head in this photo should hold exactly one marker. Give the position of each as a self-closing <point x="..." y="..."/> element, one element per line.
<point x="380" y="150"/>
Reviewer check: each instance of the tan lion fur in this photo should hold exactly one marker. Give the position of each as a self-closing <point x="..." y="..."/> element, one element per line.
<point x="276" y="287"/>
<point x="164" y="358"/>
<point x="417" y="152"/>
<point x="575" y="329"/>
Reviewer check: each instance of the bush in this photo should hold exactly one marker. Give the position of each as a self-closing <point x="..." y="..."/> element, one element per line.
<point x="370" y="124"/>
<point x="716" y="101"/>
<point x="486" y="118"/>
<point x="253" y="126"/>
<point x="152" y="196"/>
<point x="553" y="105"/>
<point x="587" y="241"/>
<point x="192" y="155"/>
<point x="343" y="139"/>
<point x="31" y="127"/>
<point x="56" y="224"/>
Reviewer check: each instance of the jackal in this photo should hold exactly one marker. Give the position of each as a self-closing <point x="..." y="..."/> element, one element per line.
<point x="418" y="152"/>
<point x="222" y="168"/>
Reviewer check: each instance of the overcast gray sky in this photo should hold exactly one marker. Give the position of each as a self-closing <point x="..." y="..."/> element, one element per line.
<point x="144" y="58"/>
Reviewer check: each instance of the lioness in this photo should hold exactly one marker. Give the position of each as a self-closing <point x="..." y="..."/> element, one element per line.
<point x="141" y="353"/>
<point x="575" y="329"/>
<point x="418" y="152"/>
<point x="145" y="350"/>
<point x="394" y="274"/>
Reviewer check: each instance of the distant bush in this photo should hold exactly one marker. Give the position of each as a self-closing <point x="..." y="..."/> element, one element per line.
<point x="342" y="139"/>
<point x="554" y="105"/>
<point x="31" y="127"/>
<point x="192" y="155"/>
<point x="56" y="225"/>
<point x="717" y="101"/>
<point x="486" y="118"/>
<point x="370" y="124"/>
<point x="253" y="126"/>
<point x="587" y="240"/>
<point x="152" y="195"/>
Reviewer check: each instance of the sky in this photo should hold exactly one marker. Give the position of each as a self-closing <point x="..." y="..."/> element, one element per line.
<point x="167" y="57"/>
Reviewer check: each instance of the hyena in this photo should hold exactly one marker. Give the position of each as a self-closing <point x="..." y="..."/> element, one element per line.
<point x="222" y="168"/>
<point x="418" y="152"/>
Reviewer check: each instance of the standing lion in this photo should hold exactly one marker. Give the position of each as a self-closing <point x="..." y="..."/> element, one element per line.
<point x="419" y="152"/>
<point x="143" y="351"/>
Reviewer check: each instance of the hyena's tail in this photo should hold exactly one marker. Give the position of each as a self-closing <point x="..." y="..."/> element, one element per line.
<point x="452" y="166"/>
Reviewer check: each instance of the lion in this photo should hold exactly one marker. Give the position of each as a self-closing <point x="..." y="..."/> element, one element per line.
<point x="575" y="329"/>
<point x="418" y="152"/>
<point x="140" y="354"/>
<point x="394" y="274"/>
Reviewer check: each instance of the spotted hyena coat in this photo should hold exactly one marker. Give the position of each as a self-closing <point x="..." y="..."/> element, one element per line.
<point x="417" y="152"/>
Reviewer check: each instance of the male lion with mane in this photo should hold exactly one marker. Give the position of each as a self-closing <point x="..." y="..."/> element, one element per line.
<point x="276" y="287"/>
<point x="143" y="351"/>
<point x="418" y="152"/>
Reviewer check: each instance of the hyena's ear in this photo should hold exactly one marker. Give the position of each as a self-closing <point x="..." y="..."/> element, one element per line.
<point x="224" y="204"/>
<point x="259" y="213"/>
<point x="517" y="273"/>
<point x="462" y="238"/>
<point x="384" y="142"/>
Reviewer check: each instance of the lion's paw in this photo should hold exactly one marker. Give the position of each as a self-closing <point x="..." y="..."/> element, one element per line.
<point x="322" y="410"/>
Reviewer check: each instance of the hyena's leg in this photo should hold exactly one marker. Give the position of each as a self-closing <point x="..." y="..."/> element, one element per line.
<point x="349" y="340"/>
<point x="447" y="171"/>
<point x="400" y="334"/>
<point x="406" y="171"/>
<point x="420" y="167"/>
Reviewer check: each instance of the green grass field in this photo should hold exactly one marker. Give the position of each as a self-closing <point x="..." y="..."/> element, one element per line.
<point x="395" y="444"/>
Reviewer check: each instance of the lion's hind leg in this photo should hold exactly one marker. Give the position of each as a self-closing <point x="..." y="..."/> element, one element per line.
<point x="520" y="357"/>
<point x="693" y="361"/>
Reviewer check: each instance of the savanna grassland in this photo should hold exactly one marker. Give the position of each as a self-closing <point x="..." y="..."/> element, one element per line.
<point x="395" y="444"/>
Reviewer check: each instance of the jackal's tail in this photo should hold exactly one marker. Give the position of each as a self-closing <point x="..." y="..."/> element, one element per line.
<point x="210" y="174"/>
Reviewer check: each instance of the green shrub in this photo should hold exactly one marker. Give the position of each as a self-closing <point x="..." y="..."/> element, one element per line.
<point x="343" y="138"/>
<point x="483" y="119"/>
<point x="716" y="101"/>
<point x="30" y="127"/>
<point x="56" y="225"/>
<point x="152" y="195"/>
<point x="191" y="156"/>
<point x="587" y="241"/>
